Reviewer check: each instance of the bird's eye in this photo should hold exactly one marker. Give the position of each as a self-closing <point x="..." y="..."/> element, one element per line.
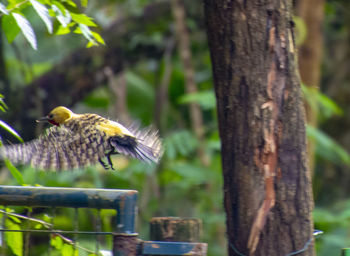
<point x="51" y="116"/>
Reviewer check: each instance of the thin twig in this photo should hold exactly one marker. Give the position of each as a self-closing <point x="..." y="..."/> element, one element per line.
<point x="44" y="223"/>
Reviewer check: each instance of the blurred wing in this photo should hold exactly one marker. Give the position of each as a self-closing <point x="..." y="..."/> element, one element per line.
<point x="145" y="144"/>
<point x="59" y="149"/>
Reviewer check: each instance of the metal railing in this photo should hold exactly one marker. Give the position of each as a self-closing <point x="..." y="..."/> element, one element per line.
<point x="125" y="238"/>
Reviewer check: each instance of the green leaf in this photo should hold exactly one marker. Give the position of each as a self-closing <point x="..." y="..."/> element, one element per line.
<point x="57" y="242"/>
<point x="13" y="218"/>
<point x="327" y="147"/>
<point x="81" y="18"/>
<point x="47" y="218"/>
<point x="14" y="239"/>
<point x="3" y="105"/>
<point x="3" y="9"/>
<point x="67" y="249"/>
<point x="96" y="101"/>
<point x="14" y="171"/>
<point x="316" y="100"/>
<point x="26" y="28"/>
<point x="191" y="173"/>
<point x="62" y="30"/>
<point x="301" y="30"/>
<point x="140" y="83"/>
<point x="62" y="14"/>
<point x="10" y="130"/>
<point x="206" y="99"/>
<point x="84" y="3"/>
<point x="91" y="44"/>
<point x="10" y="27"/>
<point x="38" y="226"/>
<point x="43" y="12"/>
<point x="71" y="3"/>
<point x="328" y="106"/>
<point x="98" y="37"/>
<point x="180" y="142"/>
<point x="85" y="31"/>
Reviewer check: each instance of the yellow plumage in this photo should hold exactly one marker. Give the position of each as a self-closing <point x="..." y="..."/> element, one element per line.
<point x="79" y="140"/>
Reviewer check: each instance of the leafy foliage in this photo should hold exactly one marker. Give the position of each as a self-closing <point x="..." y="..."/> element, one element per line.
<point x="14" y="239"/>
<point x="206" y="99"/>
<point x="327" y="147"/>
<point x="67" y="14"/>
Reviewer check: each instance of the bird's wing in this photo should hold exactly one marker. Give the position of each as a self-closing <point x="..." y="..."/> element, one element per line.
<point x="60" y="148"/>
<point x="144" y="144"/>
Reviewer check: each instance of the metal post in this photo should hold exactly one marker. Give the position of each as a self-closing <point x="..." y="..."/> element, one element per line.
<point x="125" y="240"/>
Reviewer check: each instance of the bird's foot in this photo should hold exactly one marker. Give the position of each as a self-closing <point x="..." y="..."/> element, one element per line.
<point x="105" y="166"/>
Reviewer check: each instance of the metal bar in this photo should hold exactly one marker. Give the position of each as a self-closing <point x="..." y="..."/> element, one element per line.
<point x="124" y="201"/>
<point x="98" y="228"/>
<point x="53" y="231"/>
<point x="173" y="248"/>
<point x="64" y="197"/>
<point x="27" y="235"/>
<point x="127" y="212"/>
<point x="76" y="228"/>
<point x="52" y="218"/>
<point x="3" y="243"/>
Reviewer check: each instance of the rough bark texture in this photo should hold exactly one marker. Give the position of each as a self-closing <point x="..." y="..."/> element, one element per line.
<point x="267" y="185"/>
<point x="310" y="56"/>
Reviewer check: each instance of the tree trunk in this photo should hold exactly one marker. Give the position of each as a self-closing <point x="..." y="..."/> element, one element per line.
<point x="267" y="183"/>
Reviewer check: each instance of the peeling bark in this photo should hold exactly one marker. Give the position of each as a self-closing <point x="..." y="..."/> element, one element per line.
<point x="267" y="185"/>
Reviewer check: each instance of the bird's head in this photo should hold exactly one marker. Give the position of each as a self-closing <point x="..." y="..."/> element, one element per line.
<point x="57" y="116"/>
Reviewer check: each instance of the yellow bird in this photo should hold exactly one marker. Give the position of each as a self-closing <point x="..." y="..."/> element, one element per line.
<point x="79" y="140"/>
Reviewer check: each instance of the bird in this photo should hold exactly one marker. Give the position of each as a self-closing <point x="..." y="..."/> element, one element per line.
<point x="79" y="140"/>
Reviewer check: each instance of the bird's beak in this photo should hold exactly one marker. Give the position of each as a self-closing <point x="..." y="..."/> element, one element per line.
<point x="43" y="119"/>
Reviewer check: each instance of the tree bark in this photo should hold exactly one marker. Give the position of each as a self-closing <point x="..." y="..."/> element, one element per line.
<point x="267" y="184"/>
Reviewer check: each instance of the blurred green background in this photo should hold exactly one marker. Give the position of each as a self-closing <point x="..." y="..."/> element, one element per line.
<point x="150" y="85"/>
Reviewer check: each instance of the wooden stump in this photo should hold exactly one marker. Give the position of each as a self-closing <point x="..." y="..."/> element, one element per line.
<point x="174" y="229"/>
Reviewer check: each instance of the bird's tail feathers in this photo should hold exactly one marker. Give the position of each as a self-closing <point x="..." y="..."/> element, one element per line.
<point x="145" y="145"/>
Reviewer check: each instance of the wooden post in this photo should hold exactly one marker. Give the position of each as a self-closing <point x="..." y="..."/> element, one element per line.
<point x="125" y="245"/>
<point x="175" y="229"/>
